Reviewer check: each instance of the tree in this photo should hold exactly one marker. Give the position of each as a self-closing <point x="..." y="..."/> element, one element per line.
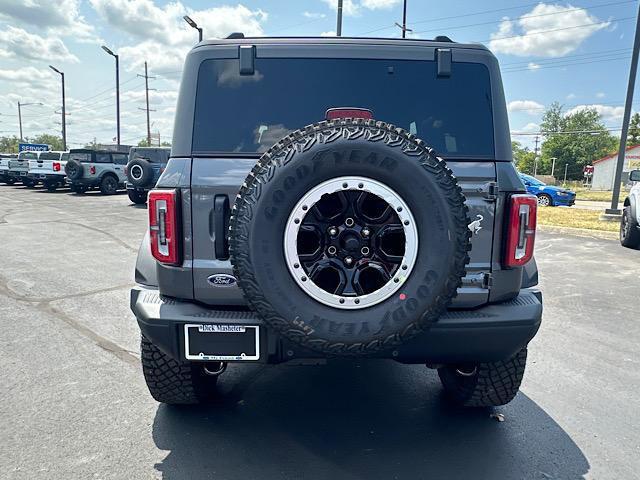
<point x="523" y="158"/>
<point x="53" y="141"/>
<point x="634" y="130"/>
<point x="574" y="139"/>
<point x="9" y="144"/>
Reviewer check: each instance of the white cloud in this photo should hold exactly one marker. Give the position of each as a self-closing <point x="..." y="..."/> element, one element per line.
<point x="313" y="15"/>
<point x="330" y="33"/>
<point x="524" y="37"/>
<point x="527" y="106"/>
<point x="607" y="112"/>
<point x="164" y="37"/>
<point x="380" y="4"/>
<point x="60" y="17"/>
<point x="600" y="95"/>
<point x="531" y="127"/>
<point x="571" y="96"/>
<point x="533" y="66"/>
<point x="349" y="7"/>
<point x="29" y="77"/>
<point x="16" y="42"/>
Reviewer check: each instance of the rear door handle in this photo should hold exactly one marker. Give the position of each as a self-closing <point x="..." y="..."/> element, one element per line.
<point x="221" y="225"/>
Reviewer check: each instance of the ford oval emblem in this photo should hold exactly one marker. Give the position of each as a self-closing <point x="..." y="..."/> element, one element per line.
<point x="222" y="280"/>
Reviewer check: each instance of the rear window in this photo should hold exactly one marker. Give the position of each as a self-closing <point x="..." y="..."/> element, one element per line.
<point x="28" y="155"/>
<point x="153" y="155"/>
<point x="248" y="113"/>
<point x="64" y="157"/>
<point x="81" y="157"/>
<point x="49" y="156"/>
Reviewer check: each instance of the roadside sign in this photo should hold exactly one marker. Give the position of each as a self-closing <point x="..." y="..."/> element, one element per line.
<point x="33" y="147"/>
<point x="588" y="170"/>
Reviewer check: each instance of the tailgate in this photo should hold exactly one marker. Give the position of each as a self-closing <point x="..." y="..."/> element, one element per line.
<point x="41" y="166"/>
<point x="215" y="183"/>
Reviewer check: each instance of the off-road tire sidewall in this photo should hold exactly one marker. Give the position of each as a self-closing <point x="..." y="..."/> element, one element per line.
<point x="419" y="178"/>
<point x="147" y="172"/>
<point x="73" y="169"/>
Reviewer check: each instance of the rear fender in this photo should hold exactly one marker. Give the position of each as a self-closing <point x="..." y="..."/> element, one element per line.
<point x="146" y="272"/>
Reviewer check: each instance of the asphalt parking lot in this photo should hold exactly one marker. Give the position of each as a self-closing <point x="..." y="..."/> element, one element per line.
<point x="73" y="403"/>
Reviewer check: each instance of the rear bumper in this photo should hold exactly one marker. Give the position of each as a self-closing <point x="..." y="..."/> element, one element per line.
<point x="491" y="333"/>
<point x="84" y="182"/>
<point x="135" y="188"/>
<point x="17" y="173"/>
<point x="47" y="177"/>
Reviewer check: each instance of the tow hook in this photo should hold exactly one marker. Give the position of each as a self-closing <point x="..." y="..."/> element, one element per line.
<point x="211" y="370"/>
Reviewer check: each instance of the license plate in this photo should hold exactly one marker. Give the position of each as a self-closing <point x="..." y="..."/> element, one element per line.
<point x="216" y="342"/>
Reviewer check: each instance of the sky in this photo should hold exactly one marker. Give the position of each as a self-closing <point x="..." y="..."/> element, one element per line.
<point x="577" y="53"/>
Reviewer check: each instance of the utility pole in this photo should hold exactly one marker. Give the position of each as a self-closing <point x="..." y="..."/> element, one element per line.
<point x="64" y="115"/>
<point x="403" y="27"/>
<point x="553" y="165"/>
<point x="535" y="159"/>
<point x="20" y="120"/>
<point x="625" y="122"/>
<point x="566" y="165"/>
<point x="117" y="92"/>
<point x="146" y="86"/>
<point x="339" y="27"/>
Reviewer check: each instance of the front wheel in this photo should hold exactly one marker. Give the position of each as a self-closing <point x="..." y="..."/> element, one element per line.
<point x="173" y="382"/>
<point x="136" y="197"/>
<point x="545" y="200"/>
<point x="629" y="230"/>
<point x="485" y="384"/>
<point x="108" y="185"/>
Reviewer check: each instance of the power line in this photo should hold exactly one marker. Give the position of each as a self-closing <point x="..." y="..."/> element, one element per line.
<point x="567" y="64"/>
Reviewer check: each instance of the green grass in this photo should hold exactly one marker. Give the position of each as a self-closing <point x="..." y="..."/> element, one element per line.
<point x="583" y="193"/>
<point x="575" y="218"/>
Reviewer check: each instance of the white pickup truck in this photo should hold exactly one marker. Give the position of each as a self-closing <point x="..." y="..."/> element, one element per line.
<point x="630" y="224"/>
<point x="19" y="168"/>
<point x="48" y="168"/>
<point x="4" y="167"/>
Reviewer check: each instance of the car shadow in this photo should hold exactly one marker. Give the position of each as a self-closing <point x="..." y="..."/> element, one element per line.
<point x="373" y="420"/>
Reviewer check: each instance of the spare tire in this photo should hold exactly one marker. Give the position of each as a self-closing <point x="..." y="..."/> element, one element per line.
<point x="139" y="172"/>
<point x="73" y="169"/>
<point x="349" y="237"/>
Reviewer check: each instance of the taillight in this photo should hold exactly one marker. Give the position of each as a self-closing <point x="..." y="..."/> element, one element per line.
<point x="163" y="226"/>
<point x="126" y="170"/>
<point x="348" y="112"/>
<point x="92" y="170"/>
<point x="521" y="230"/>
<point x="56" y="167"/>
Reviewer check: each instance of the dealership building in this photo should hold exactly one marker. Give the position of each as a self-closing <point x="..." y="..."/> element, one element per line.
<point x="604" y="169"/>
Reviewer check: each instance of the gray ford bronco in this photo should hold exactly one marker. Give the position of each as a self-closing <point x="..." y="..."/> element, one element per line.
<point x="339" y="197"/>
<point x="87" y="168"/>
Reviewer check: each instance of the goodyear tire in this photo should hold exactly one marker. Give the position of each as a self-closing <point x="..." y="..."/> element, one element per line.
<point x="73" y="169"/>
<point x="173" y="382"/>
<point x="486" y="384"/>
<point x="389" y="177"/>
<point x="139" y="172"/>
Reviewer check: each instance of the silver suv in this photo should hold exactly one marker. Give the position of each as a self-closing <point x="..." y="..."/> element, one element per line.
<point x="101" y="169"/>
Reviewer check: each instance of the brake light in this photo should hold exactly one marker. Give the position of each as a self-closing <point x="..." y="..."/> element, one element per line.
<point x="56" y="167"/>
<point x="126" y="170"/>
<point x="163" y="226"/>
<point x="92" y="170"/>
<point x="348" y="112"/>
<point x="521" y="230"/>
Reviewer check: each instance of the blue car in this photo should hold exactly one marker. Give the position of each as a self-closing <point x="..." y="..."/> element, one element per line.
<point x="548" y="195"/>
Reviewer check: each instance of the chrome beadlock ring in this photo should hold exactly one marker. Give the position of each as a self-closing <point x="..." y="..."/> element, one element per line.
<point x="396" y="277"/>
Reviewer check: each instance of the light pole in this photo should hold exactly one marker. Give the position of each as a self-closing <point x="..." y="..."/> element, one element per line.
<point x="339" y="26"/>
<point x="193" y="24"/>
<point x="553" y="165"/>
<point x="625" y="122"/>
<point x="20" y="105"/>
<point x="64" y="119"/>
<point x="117" y="92"/>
